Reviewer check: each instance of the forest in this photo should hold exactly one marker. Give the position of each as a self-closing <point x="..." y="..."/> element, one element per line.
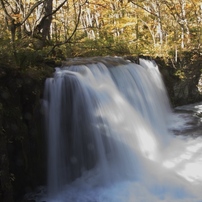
<point x="105" y="27"/>
<point x="38" y="35"/>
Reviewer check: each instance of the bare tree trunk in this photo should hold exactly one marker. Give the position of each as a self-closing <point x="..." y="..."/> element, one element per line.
<point x="159" y="26"/>
<point x="182" y="38"/>
<point x="199" y="26"/>
<point x="47" y="22"/>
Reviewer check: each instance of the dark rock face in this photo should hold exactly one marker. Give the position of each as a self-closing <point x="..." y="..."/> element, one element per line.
<point x="182" y="80"/>
<point x="22" y="139"/>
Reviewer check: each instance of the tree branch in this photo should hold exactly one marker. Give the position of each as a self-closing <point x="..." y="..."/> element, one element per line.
<point x="30" y="12"/>
<point x="70" y="37"/>
<point x="143" y="8"/>
<point x="46" y="16"/>
<point x="5" y="11"/>
<point x="56" y="9"/>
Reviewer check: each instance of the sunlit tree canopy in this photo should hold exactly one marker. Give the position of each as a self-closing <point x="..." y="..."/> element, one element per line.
<point x="85" y="27"/>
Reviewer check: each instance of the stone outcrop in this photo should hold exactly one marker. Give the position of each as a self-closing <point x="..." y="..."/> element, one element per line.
<point x="22" y="141"/>
<point x="182" y="79"/>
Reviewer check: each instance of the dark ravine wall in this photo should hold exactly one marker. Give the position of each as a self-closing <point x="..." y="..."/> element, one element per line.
<point x="22" y="140"/>
<point x="22" y="137"/>
<point x="181" y="79"/>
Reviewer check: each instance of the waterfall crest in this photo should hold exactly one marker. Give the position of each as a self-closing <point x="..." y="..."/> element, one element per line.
<point x="107" y="122"/>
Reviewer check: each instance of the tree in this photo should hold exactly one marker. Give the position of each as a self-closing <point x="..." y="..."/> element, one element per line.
<point x="13" y="17"/>
<point x="46" y="21"/>
<point x="150" y="26"/>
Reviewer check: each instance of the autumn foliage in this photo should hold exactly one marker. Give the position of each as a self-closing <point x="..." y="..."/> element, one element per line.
<point x="105" y="27"/>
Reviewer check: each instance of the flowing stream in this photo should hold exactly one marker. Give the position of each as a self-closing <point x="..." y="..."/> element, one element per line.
<point x="113" y="137"/>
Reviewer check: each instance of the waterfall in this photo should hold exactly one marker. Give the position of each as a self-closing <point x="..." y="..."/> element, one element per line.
<point x="108" y="139"/>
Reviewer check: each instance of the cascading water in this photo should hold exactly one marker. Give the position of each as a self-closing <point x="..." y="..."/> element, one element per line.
<point x="108" y="136"/>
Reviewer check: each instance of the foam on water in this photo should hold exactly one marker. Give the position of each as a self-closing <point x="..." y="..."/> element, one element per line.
<point x="109" y="127"/>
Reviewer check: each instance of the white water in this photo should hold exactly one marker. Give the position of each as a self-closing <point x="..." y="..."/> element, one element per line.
<point x="109" y="128"/>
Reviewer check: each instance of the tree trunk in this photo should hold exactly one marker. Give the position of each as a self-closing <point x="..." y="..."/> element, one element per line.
<point x="47" y="21"/>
